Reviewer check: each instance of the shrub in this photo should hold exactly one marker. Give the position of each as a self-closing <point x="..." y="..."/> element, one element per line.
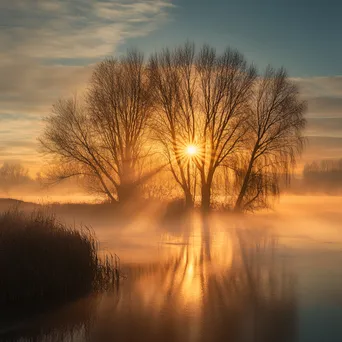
<point x="42" y="259"/>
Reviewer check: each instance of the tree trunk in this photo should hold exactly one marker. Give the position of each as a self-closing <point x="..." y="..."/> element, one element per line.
<point x="205" y="193"/>
<point x="238" y="204"/>
<point x="189" y="201"/>
<point x="206" y="189"/>
<point x="125" y="192"/>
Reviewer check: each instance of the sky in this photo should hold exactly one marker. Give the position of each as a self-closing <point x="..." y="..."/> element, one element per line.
<point x="48" y="49"/>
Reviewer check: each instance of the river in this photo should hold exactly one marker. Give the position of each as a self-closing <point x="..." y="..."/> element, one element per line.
<point x="273" y="276"/>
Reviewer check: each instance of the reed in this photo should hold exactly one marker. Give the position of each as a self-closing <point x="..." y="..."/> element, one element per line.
<point x="43" y="259"/>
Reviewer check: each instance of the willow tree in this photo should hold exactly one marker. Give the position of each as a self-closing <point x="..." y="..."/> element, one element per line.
<point x="173" y="77"/>
<point x="201" y="99"/>
<point x="275" y="139"/>
<point x="225" y="83"/>
<point x="104" y="137"/>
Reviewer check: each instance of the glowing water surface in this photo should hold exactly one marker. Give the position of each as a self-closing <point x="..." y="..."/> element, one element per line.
<point x="273" y="276"/>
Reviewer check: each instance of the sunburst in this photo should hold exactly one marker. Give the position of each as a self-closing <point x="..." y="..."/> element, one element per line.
<point x="191" y="150"/>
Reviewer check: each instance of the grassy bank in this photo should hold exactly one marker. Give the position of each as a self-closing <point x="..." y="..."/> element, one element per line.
<point x="42" y="260"/>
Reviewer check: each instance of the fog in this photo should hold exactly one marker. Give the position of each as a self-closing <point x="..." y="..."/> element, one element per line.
<point x="274" y="275"/>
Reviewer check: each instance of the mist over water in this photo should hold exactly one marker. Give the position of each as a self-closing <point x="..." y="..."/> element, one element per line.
<point x="160" y="189"/>
<point x="272" y="276"/>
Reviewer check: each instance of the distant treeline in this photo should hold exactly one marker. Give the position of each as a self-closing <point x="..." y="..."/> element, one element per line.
<point x="323" y="176"/>
<point x="15" y="180"/>
<point x="14" y="175"/>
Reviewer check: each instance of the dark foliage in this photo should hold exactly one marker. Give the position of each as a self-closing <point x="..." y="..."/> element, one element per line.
<point x="42" y="259"/>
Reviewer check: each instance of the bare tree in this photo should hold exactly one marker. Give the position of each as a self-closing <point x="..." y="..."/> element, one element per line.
<point x="174" y="79"/>
<point x="247" y="126"/>
<point x="104" y="139"/>
<point x="69" y="137"/>
<point x="13" y="174"/>
<point x="121" y="106"/>
<point x="225" y="84"/>
<point x="202" y="99"/>
<point x="275" y="126"/>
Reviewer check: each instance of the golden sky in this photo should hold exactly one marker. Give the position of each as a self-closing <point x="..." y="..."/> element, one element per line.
<point x="49" y="48"/>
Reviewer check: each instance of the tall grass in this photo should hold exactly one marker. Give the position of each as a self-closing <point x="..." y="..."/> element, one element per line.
<point x="42" y="259"/>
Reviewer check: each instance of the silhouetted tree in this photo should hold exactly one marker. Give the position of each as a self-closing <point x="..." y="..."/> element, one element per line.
<point x="224" y="86"/>
<point x="246" y="128"/>
<point x="202" y="99"/>
<point x="174" y="79"/>
<point x="275" y="126"/>
<point x="104" y="138"/>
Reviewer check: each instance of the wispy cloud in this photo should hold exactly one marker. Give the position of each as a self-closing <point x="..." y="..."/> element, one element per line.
<point x="324" y="130"/>
<point x="320" y="86"/>
<point x="75" y="29"/>
<point x="330" y="127"/>
<point x="37" y="35"/>
<point x="324" y="95"/>
<point x="32" y="88"/>
<point x="48" y="48"/>
<point x="321" y="147"/>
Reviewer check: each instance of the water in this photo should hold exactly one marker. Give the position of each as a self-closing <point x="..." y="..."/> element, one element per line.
<point x="269" y="277"/>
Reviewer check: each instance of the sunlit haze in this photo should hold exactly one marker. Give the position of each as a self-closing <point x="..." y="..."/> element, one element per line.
<point x="170" y="170"/>
<point x="50" y="47"/>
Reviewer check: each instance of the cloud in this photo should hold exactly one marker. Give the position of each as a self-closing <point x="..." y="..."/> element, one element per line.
<point x="32" y="89"/>
<point x="75" y="29"/>
<point x="37" y="36"/>
<point x="325" y="106"/>
<point x="324" y="128"/>
<point x="329" y="127"/>
<point x="18" y="136"/>
<point x="48" y="49"/>
<point x="312" y="87"/>
<point x="323" y="148"/>
<point x="323" y="94"/>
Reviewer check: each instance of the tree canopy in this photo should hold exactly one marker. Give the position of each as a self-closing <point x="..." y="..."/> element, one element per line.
<point x="194" y="119"/>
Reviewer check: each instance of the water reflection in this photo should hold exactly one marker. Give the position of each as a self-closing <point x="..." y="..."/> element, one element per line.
<point x="216" y="283"/>
<point x="69" y="322"/>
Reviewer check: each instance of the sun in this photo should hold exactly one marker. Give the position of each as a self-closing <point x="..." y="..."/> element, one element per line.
<point x="191" y="150"/>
